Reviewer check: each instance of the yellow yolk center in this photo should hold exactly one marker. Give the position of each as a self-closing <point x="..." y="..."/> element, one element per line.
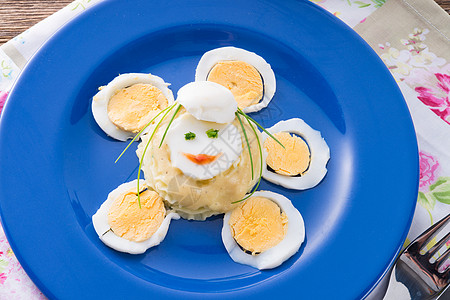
<point x="291" y="160"/>
<point x="241" y="78"/>
<point x="133" y="107"/>
<point x="258" y="224"/>
<point x="136" y="224"/>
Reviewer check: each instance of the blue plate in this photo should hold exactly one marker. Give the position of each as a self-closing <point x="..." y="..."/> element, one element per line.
<point x="57" y="166"/>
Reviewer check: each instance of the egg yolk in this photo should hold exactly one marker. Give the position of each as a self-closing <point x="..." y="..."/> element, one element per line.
<point x="258" y="224"/>
<point x="241" y="78"/>
<point x="135" y="223"/>
<point x="131" y="108"/>
<point x="291" y="160"/>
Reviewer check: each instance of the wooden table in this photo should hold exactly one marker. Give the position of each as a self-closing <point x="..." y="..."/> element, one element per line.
<point x="18" y="15"/>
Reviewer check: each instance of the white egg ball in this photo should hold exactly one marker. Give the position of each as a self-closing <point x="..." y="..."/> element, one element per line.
<point x="109" y="238"/>
<point x="279" y="253"/>
<point x="208" y="101"/>
<point x="224" y="149"/>
<point x="101" y="99"/>
<point x="320" y="154"/>
<point x="211" y="58"/>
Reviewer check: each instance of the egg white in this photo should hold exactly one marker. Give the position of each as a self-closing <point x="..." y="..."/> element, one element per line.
<point x="278" y="254"/>
<point x="109" y="238"/>
<point x="208" y="101"/>
<point x="101" y="99"/>
<point x="227" y="145"/>
<point x="211" y="58"/>
<point x="320" y="154"/>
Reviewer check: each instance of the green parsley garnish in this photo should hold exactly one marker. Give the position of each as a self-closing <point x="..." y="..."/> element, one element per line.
<point x="189" y="136"/>
<point x="212" y="133"/>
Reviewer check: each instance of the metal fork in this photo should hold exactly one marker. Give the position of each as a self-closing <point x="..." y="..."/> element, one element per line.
<point x="424" y="279"/>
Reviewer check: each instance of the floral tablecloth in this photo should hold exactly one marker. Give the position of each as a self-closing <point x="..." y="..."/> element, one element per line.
<point x="410" y="36"/>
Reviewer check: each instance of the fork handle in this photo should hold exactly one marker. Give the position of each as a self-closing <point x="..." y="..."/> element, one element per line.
<point x="396" y="290"/>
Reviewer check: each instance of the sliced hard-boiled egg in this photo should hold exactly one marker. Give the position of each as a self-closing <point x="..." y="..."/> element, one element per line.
<point x="247" y="75"/>
<point x="201" y="149"/>
<point x="263" y="231"/>
<point x="208" y="101"/>
<point x="129" y="102"/>
<point x="126" y="225"/>
<point x="241" y="78"/>
<point x="301" y="164"/>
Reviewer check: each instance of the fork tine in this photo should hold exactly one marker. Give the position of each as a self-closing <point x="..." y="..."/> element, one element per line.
<point x="445" y="273"/>
<point x="424" y="239"/>
<point x="424" y="275"/>
<point x="438" y="245"/>
<point x="443" y="257"/>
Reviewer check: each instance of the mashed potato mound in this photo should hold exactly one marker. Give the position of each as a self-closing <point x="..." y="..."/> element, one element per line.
<point x="241" y="78"/>
<point x="198" y="199"/>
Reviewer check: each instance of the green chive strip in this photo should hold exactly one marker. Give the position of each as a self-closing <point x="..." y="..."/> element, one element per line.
<point x="248" y="144"/>
<point x="262" y="128"/>
<point x="140" y="132"/>
<point x="170" y="122"/>
<point x="259" y="146"/>
<point x="145" y="150"/>
<point x="261" y="162"/>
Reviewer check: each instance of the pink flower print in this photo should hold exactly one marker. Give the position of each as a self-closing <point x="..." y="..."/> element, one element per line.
<point x="2" y="278"/>
<point x="437" y="97"/>
<point x="425" y="75"/>
<point x="428" y="166"/>
<point x="444" y="266"/>
<point x="3" y="96"/>
<point x="444" y="82"/>
<point x="414" y="43"/>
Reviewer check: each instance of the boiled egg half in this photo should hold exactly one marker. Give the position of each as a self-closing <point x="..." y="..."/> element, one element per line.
<point x="263" y="231"/>
<point x="301" y="164"/>
<point x="202" y="149"/>
<point x="208" y="101"/>
<point x="126" y="225"/>
<point x="129" y="102"/>
<point x="203" y="142"/>
<point x="247" y="75"/>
